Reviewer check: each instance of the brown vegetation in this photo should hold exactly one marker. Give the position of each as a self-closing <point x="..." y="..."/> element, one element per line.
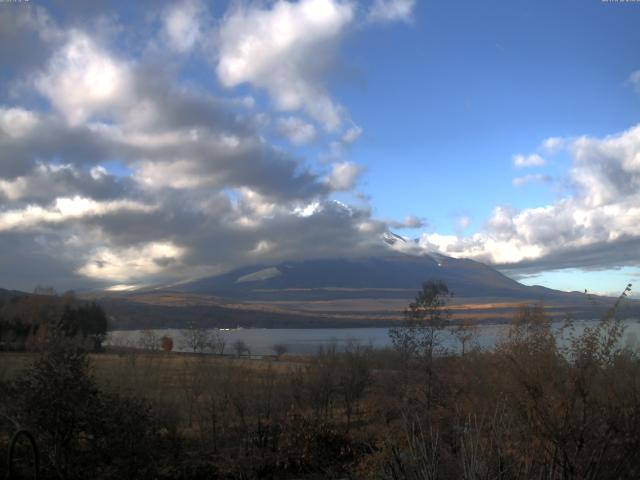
<point x="531" y="408"/>
<point x="27" y="322"/>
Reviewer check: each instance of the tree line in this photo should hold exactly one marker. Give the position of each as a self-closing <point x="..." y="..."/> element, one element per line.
<point x="27" y="322"/>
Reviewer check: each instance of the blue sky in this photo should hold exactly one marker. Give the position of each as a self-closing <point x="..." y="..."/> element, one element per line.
<point x="200" y="136"/>
<point x="477" y="82"/>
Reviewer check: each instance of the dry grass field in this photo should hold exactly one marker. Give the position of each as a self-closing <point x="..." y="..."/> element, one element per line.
<point x="531" y="408"/>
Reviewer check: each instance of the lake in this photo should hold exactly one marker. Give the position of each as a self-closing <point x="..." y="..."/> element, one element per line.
<point x="307" y="341"/>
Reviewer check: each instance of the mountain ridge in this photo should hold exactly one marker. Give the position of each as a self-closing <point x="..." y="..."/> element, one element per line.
<point x="337" y="292"/>
<point x="389" y="273"/>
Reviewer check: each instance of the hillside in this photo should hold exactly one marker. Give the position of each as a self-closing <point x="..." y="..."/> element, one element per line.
<point x="392" y="276"/>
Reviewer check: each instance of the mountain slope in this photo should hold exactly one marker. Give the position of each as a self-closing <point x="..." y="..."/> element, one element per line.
<point x="391" y="276"/>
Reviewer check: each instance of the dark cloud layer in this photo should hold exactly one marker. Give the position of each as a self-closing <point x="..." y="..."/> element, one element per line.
<point x="623" y="252"/>
<point x="203" y="187"/>
<point x="27" y="42"/>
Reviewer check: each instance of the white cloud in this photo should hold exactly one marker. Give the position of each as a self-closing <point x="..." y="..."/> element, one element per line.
<point x="132" y="263"/>
<point x="343" y="176"/>
<point x="13" y="189"/>
<point x="410" y="221"/>
<point x="83" y="79"/>
<point x="598" y="226"/>
<point x="533" y="160"/>
<point x="179" y="174"/>
<point x="351" y="135"/>
<point x="262" y="247"/>
<point x="297" y="130"/>
<point x="182" y="23"/>
<point x="63" y="210"/>
<point x="553" y="144"/>
<point x="634" y="79"/>
<point x="392" y="10"/>
<point x="258" y="206"/>
<point x="121" y="287"/>
<point x="98" y="172"/>
<point x="286" y="49"/>
<point x="525" y="179"/>
<point x="307" y="210"/>
<point x="17" y="122"/>
<point x="607" y="170"/>
<point x="23" y="186"/>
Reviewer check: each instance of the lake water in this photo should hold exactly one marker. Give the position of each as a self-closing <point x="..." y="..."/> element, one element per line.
<point x="307" y="341"/>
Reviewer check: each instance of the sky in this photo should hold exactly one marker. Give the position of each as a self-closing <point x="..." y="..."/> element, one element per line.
<point x="153" y="142"/>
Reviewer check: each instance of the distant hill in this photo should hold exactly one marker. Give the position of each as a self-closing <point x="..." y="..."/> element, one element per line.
<point x="8" y="294"/>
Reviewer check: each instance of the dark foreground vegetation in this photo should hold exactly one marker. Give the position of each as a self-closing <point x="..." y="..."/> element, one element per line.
<point x="533" y="408"/>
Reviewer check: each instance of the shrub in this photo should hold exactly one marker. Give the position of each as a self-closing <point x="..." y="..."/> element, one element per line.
<point x="82" y="431"/>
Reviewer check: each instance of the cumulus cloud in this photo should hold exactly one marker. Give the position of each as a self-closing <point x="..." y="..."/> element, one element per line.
<point x="131" y="264"/>
<point x="525" y="161"/>
<point x="553" y="144"/>
<point x="607" y="171"/>
<point x="198" y="187"/>
<point x="169" y="136"/>
<point x="28" y="137"/>
<point x="297" y="130"/>
<point x="597" y="227"/>
<point x="344" y="176"/>
<point x="287" y="50"/>
<point x="63" y="210"/>
<point x="392" y="10"/>
<point x="183" y="25"/>
<point x="48" y="181"/>
<point x="223" y="161"/>
<point x="82" y="79"/>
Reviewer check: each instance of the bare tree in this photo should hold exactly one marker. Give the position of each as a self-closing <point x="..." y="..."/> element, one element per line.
<point x="418" y="337"/>
<point x="149" y="340"/>
<point x="216" y="342"/>
<point x="355" y="377"/>
<point x="279" y="349"/>
<point x="465" y="332"/>
<point x="321" y="375"/>
<point x="241" y="348"/>
<point x="196" y="339"/>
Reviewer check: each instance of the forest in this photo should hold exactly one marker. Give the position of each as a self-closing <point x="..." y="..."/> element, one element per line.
<point x="28" y="321"/>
